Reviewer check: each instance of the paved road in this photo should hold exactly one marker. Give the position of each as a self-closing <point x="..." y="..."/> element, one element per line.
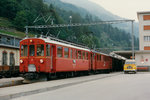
<point x="120" y="87"/>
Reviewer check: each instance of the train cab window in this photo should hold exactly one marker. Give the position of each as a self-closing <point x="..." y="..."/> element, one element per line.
<point x="12" y="59"/>
<point x="40" y="50"/>
<point x="47" y="50"/>
<point x="79" y="54"/>
<point x="59" y="51"/>
<point x="31" y="50"/>
<point x="66" y="52"/>
<point x="86" y="55"/>
<point x="24" y="50"/>
<point x="83" y="55"/>
<point x="71" y="53"/>
<point x="4" y="58"/>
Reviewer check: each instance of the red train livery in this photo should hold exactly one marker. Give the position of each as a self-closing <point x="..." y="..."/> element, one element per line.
<point x="48" y="56"/>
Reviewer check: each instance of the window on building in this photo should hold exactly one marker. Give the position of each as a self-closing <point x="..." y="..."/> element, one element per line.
<point x="79" y="54"/>
<point x="24" y="50"/>
<point x="12" y="60"/>
<point x="59" y="51"/>
<point x="66" y="52"/>
<point x="8" y="40"/>
<point x="4" y="58"/>
<point x="71" y="53"/>
<point x="40" y="50"/>
<point x="147" y="38"/>
<point x="0" y="39"/>
<point x="47" y="50"/>
<point x="31" y="50"/>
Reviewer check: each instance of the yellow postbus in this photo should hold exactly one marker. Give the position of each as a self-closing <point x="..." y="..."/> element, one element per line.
<point x="130" y="66"/>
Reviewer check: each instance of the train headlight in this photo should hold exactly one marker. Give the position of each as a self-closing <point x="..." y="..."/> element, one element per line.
<point x="41" y="61"/>
<point x="21" y="61"/>
<point x="31" y="41"/>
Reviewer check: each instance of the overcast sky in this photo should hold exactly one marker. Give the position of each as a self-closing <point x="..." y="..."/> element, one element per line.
<point x="125" y="8"/>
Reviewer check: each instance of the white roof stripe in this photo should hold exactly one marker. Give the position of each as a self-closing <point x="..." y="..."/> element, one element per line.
<point x="64" y="44"/>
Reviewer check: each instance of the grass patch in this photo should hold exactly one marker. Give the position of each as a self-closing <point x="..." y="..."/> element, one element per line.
<point x="4" y="22"/>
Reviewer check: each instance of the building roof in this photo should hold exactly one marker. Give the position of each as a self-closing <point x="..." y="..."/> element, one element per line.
<point x="10" y="36"/>
<point x="142" y="51"/>
<point x="9" y="46"/>
<point x="142" y="12"/>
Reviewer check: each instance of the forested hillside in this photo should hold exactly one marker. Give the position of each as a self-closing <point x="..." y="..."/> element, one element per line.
<point x="20" y="13"/>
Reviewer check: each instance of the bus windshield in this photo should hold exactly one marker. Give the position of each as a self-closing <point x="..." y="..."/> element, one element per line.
<point x="130" y="63"/>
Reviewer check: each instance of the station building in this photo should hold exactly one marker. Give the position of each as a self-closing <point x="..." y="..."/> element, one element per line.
<point x="142" y="56"/>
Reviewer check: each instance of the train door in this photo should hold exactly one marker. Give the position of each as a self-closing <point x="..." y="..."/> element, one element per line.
<point x="48" y="58"/>
<point x="92" y="61"/>
<point x="52" y="57"/>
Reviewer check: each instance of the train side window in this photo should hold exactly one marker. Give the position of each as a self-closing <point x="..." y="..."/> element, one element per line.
<point x="4" y="58"/>
<point x="59" y="51"/>
<point x="93" y="55"/>
<point x="66" y="52"/>
<point x="100" y="57"/>
<point x="97" y="57"/>
<point x="24" y="50"/>
<point x="12" y="59"/>
<point x="76" y="54"/>
<point x="79" y="54"/>
<point x="86" y="55"/>
<point x="47" y="50"/>
<point x="83" y="55"/>
<point x="71" y="53"/>
<point x="40" y="50"/>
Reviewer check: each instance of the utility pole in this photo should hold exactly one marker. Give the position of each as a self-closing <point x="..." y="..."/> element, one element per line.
<point x="132" y="39"/>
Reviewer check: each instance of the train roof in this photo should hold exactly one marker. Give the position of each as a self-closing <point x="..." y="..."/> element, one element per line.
<point x="61" y="42"/>
<point x="72" y="45"/>
<point x="99" y="53"/>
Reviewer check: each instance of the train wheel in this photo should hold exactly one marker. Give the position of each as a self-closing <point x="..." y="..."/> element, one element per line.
<point x="1" y="76"/>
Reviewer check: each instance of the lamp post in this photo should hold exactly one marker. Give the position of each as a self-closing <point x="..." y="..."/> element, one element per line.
<point x="132" y="39"/>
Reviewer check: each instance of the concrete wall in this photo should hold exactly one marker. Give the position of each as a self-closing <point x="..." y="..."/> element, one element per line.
<point x="143" y="60"/>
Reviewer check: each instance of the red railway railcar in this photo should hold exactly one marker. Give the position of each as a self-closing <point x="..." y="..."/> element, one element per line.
<point x="44" y="55"/>
<point x="101" y="62"/>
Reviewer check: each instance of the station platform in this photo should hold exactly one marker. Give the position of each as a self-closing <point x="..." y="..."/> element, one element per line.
<point x="9" y="93"/>
<point x="5" y="82"/>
